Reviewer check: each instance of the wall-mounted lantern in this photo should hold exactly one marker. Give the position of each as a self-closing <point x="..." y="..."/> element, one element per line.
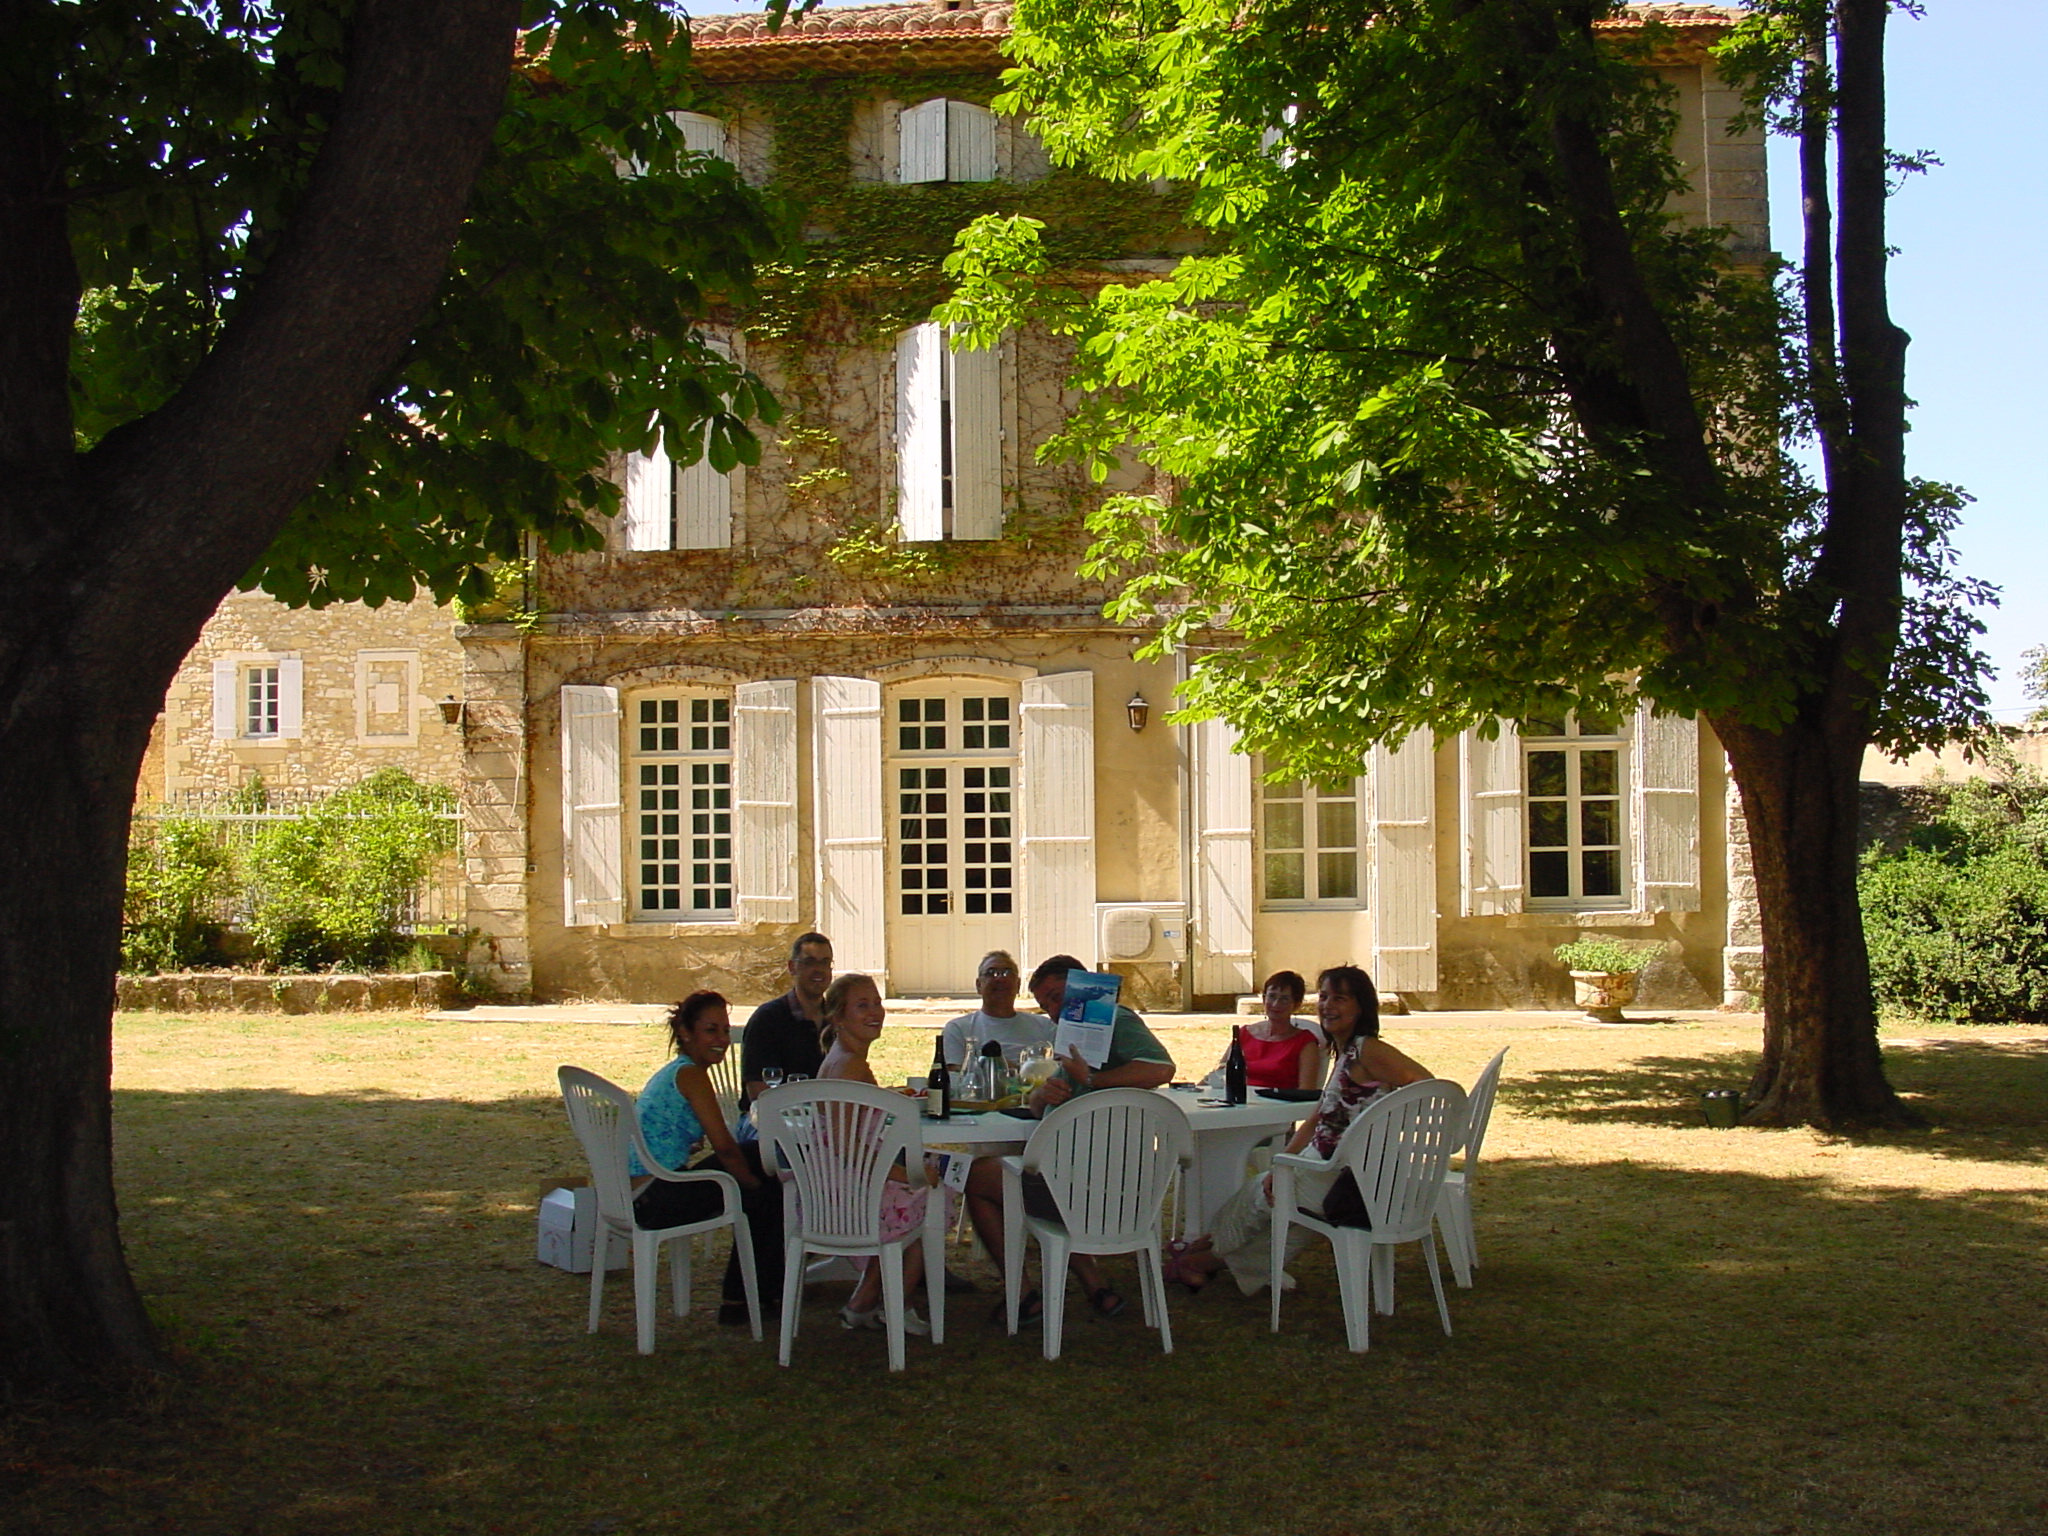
<point x="1138" y="711"/>
<point x="453" y="709"/>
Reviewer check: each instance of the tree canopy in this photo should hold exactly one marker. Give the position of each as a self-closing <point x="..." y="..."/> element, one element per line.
<point x="1463" y="421"/>
<point x="565" y="329"/>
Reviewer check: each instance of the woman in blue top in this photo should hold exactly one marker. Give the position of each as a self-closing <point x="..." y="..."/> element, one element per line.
<point x="681" y="1120"/>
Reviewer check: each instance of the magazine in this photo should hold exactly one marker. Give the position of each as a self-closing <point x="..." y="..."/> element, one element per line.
<point x="1087" y="1021"/>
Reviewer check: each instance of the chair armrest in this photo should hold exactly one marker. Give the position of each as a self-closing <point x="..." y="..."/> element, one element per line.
<point x="1013" y="1165"/>
<point x="1298" y="1160"/>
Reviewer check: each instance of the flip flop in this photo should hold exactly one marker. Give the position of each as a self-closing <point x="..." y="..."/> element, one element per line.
<point x="1106" y="1302"/>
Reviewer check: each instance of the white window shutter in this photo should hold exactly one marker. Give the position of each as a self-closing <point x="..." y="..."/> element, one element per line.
<point x="702" y="134"/>
<point x="593" y="883"/>
<point x="1057" y="849"/>
<point x="846" y="796"/>
<point x="977" y="444"/>
<point x="1404" y="865"/>
<point x="970" y="142"/>
<point x="291" y="698"/>
<point x="920" y="510"/>
<point x="1494" y="836"/>
<point x="1667" y="812"/>
<point x="704" y="497"/>
<point x="1225" y="880"/>
<point x="764" y="793"/>
<point x="650" y="500"/>
<point x="227" y="698"/>
<point x="921" y="142"/>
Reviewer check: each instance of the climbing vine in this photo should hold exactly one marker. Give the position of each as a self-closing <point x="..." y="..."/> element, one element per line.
<point x="869" y="264"/>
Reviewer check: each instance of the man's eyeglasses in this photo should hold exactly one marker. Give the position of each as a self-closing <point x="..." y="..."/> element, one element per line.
<point x="995" y="971"/>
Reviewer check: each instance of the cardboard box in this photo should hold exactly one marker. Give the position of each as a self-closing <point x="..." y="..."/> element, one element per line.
<point x="568" y="1233"/>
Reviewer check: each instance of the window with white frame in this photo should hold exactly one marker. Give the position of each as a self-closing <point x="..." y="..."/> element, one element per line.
<point x="1309" y="843"/>
<point x="258" y="698"/>
<point x="1575" y="794"/>
<point x="953" y="764"/>
<point x="680" y="506"/>
<point x="949" y="438"/>
<point x="680" y="770"/>
<point x="942" y="140"/>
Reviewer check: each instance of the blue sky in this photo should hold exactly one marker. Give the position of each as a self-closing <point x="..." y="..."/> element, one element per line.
<point x="1967" y="285"/>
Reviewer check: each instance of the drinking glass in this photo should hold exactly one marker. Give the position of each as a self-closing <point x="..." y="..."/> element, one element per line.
<point x="772" y="1076"/>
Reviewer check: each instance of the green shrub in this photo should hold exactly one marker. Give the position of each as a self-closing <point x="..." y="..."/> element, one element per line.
<point x="1611" y="956"/>
<point x="1957" y="920"/>
<point x="179" y="872"/>
<point x="330" y="887"/>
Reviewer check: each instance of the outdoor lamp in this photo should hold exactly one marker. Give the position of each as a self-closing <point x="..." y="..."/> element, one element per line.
<point x="452" y="709"/>
<point x="1139" y="711"/>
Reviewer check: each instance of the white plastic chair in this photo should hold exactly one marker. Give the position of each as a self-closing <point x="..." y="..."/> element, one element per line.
<point x="1398" y="1150"/>
<point x="839" y="1141"/>
<point x="1108" y="1158"/>
<point x="1454" y="1207"/>
<point x="602" y="1115"/>
<point x="725" y="1080"/>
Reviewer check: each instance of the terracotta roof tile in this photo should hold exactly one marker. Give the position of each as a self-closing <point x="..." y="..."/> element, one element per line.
<point x="942" y="34"/>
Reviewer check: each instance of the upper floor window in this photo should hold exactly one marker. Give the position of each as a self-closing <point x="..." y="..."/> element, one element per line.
<point x="1309" y="843"/>
<point x="679" y="506"/>
<point x="681" y="777"/>
<point x="949" y="438"/>
<point x="1575" y="789"/>
<point x="941" y="140"/>
<point x="702" y="134"/>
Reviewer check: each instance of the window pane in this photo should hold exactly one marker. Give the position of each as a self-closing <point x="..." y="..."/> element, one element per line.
<point x="1603" y="874"/>
<point x="1543" y="725"/>
<point x="1550" y="874"/>
<point x="1596" y="725"/>
<point x="1336" y="825"/>
<point x="1546" y="773"/>
<point x="970" y="709"/>
<point x="1337" y="876"/>
<point x="1284" y="877"/>
<point x="1547" y="824"/>
<point x="1599" y="773"/>
<point x="1283" y="825"/>
<point x="1289" y="789"/>
<point x="1600" y="823"/>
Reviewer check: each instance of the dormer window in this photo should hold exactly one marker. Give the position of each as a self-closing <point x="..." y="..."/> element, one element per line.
<point x="941" y="140"/>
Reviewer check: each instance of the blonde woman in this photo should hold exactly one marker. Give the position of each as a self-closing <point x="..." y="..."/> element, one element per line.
<point x="853" y="1023"/>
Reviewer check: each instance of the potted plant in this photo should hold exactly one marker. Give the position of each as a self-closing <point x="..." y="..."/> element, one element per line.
<point x="1603" y="974"/>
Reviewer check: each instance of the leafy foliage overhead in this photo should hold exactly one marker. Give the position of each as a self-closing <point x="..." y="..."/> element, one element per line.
<point x="565" y="331"/>
<point x="1415" y="476"/>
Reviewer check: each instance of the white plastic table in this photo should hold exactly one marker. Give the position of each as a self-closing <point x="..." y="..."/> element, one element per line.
<point x="1224" y="1138"/>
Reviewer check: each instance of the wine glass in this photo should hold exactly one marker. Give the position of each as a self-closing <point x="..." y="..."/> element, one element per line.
<point x="772" y="1076"/>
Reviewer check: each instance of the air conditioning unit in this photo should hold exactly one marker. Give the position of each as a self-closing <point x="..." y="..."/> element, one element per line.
<point x="1129" y="932"/>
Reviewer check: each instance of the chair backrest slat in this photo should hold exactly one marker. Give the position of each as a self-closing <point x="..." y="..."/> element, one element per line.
<point x="603" y="1116"/>
<point x="839" y="1140"/>
<point x="1479" y="1108"/>
<point x="1107" y="1158"/>
<point x="1398" y="1149"/>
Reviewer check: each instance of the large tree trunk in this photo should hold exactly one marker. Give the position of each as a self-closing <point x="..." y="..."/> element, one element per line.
<point x="111" y="564"/>
<point x="1821" y="1064"/>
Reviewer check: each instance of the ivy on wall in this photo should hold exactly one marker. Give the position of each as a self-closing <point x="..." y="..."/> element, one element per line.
<point x="869" y="264"/>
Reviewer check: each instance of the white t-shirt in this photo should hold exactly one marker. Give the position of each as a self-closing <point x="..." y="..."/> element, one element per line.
<point x="1012" y="1033"/>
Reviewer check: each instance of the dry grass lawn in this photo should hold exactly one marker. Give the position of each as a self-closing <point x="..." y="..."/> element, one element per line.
<point x="1675" y="1330"/>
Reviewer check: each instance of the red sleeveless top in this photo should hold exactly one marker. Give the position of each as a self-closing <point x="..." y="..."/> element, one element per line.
<point x="1275" y="1063"/>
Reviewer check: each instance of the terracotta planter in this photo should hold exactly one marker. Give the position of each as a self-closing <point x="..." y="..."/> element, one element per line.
<point x="1603" y="994"/>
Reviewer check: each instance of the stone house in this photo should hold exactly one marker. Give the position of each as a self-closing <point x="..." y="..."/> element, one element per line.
<point x="860" y="686"/>
<point x="309" y="700"/>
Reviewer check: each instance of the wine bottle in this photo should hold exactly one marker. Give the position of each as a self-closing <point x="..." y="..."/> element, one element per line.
<point x="938" y="1094"/>
<point x="1233" y="1071"/>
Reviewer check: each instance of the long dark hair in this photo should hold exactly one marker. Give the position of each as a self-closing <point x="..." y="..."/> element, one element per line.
<point x="682" y="1019"/>
<point x="1356" y="985"/>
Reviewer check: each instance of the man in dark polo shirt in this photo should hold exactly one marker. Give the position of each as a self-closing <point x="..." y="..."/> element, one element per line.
<point x="784" y="1032"/>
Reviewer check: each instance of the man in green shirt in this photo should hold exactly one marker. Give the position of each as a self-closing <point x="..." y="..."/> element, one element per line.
<point x="1136" y="1060"/>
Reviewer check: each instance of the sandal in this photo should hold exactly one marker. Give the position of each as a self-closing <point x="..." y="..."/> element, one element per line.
<point x="1029" y="1310"/>
<point x="1174" y="1269"/>
<point x="1106" y="1302"/>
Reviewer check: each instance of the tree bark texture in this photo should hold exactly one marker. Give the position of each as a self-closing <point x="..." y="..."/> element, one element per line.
<point x="111" y="563"/>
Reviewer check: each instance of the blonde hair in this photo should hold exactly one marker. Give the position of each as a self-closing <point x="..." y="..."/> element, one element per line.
<point x="835" y="1003"/>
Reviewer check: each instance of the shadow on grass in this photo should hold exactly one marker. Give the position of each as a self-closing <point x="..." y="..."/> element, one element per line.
<point x="373" y="1348"/>
<point x="1985" y="1099"/>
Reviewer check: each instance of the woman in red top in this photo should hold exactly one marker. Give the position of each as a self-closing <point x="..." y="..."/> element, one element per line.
<point x="1278" y="1053"/>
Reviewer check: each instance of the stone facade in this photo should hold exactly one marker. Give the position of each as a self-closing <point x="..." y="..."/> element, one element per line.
<point x="800" y="646"/>
<point x="339" y="693"/>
